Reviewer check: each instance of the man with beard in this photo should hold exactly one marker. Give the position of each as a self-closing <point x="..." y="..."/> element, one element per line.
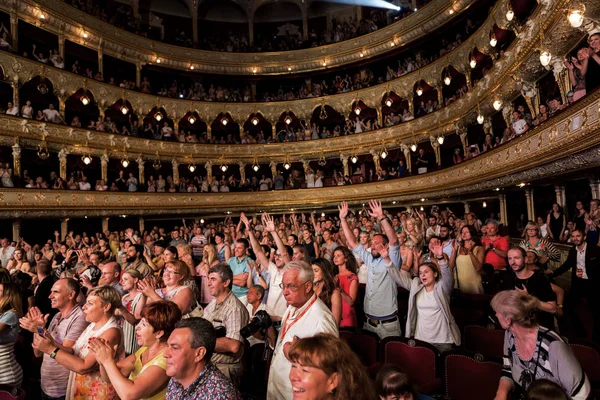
<point x="446" y="239"/>
<point x="65" y="328"/>
<point x="380" y="305"/>
<point x="534" y="283"/>
<point x="134" y="253"/>
<point x="584" y="263"/>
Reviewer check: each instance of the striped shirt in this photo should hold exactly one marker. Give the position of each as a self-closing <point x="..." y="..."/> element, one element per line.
<point x="11" y="373"/>
<point x="552" y="359"/>
<point x="543" y="247"/>
<point x="54" y="376"/>
<point x="197" y="244"/>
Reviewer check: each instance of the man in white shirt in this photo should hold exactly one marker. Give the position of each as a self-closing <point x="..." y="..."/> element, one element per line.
<point x="12" y="109"/>
<point x="52" y="115"/>
<point x="84" y="184"/>
<point x="519" y="125"/>
<point x="305" y="316"/>
<point x="433" y="229"/>
<point x="6" y="252"/>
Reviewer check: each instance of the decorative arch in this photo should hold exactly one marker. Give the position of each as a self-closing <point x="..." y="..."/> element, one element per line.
<point x="157" y="123"/>
<point x="326" y="117"/>
<point x="198" y="128"/>
<point x="428" y="97"/>
<point x="220" y="130"/>
<point x="40" y="91"/>
<point x="122" y="113"/>
<point x="75" y="107"/>
<point x="392" y="108"/>
<point x="454" y="84"/>
<point x="256" y="124"/>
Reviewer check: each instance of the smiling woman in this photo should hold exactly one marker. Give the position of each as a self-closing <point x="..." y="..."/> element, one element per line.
<point x="324" y="367"/>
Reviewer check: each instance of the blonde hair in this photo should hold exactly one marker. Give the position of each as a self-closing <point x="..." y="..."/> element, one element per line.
<point x="520" y="307"/>
<point x="134" y="273"/>
<point x="210" y="253"/>
<point x="11" y="299"/>
<point x="184" y="249"/>
<point x="107" y="295"/>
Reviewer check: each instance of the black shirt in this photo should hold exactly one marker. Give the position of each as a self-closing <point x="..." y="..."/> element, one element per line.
<point x="538" y="286"/>
<point x="592" y="76"/>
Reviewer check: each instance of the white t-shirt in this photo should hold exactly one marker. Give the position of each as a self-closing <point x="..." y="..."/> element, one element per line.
<point x="317" y="319"/>
<point x="431" y="324"/>
<point x="519" y="126"/>
<point x="251" y="339"/>
<point x="12" y="111"/>
<point x="85" y="186"/>
<point x="276" y="303"/>
<point x="51" y="115"/>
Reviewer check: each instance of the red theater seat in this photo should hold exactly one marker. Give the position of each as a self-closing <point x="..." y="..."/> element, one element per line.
<point x="470" y="379"/>
<point x="485" y="340"/>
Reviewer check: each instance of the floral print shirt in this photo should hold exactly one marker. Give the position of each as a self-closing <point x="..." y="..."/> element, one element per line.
<point x="211" y="384"/>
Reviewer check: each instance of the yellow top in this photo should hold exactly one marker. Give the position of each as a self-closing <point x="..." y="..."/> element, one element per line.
<point x="159" y="361"/>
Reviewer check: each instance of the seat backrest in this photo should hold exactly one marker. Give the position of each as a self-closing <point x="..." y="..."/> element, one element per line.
<point x="417" y="358"/>
<point x="364" y="344"/>
<point x="468" y="379"/>
<point x="589" y="357"/>
<point x="485" y="341"/>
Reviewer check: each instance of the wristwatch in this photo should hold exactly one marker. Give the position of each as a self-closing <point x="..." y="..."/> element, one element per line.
<point x="54" y="353"/>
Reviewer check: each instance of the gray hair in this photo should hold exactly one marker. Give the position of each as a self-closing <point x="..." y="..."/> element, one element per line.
<point x="202" y="334"/>
<point x="224" y="272"/>
<point x="305" y="272"/>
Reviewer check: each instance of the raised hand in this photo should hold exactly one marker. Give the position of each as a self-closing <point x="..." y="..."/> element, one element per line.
<point x="102" y="351"/>
<point x="436" y="248"/>
<point x="244" y="219"/>
<point x="268" y="222"/>
<point x="343" y="209"/>
<point x="376" y="209"/>
<point x="33" y="319"/>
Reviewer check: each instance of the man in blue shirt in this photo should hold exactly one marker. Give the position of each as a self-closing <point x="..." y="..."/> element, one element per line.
<point x="241" y="269"/>
<point x="381" y="304"/>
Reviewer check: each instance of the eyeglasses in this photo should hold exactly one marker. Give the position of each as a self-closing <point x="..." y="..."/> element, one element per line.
<point x="291" y="288"/>
<point x="170" y="271"/>
<point x="277" y="255"/>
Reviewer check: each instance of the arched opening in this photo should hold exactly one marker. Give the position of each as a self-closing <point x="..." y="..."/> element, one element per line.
<point x="225" y="129"/>
<point x="193" y="127"/>
<point x="362" y="117"/>
<point x="454" y="85"/>
<point x="257" y="129"/>
<point x="480" y="63"/>
<point x="278" y="26"/>
<point x="122" y="113"/>
<point x="40" y="92"/>
<point x="325" y="119"/>
<point x="81" y="109"/>
<point x="158" y="124"/>
<point x="223" y="24"/>
<point x="425" y="98"/>
<point x="6" y="91"/>
<point x="394" y="109"/>
<point x="288" y="127"/>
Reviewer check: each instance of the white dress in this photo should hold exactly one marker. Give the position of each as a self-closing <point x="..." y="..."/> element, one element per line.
<point x="319" y="182"/>
<point x="310" y="180"/>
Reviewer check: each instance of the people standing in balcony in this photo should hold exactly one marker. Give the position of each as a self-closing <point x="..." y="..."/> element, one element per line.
<point x="161" y="184"/>
<point x="518" y="124"/>
<point x="27" y="110"/>
<point x="575" y="75"/>
<point x="592" y="222"/>
<point x="590" y="65"/>
<point x="52" y="115"/>
<point x="556" y="221"/>
<point x="11" y="109"/>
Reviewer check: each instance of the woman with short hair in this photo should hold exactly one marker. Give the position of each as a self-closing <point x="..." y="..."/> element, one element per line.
<point x="142" y="375"/>
<point x="85" y="381"/>
<point x="324" y="367"/>
<point x="533" y="352"/>
<point x="176" y="273"/>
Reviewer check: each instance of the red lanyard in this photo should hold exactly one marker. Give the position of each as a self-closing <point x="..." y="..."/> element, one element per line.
<point x="285" y="328"/>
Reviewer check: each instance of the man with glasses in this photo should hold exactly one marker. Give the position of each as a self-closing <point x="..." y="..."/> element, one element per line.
<point x="306" y="316"/>
<point x="380" y="306"/>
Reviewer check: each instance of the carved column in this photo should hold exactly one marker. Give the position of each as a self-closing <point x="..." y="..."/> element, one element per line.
<point x="436" y="149"/>
<point x="175" y="171"/>
<point x="100" y="61"/>
<point x="406" y="151"/>
<point x="16" y="152"/>
<point x="273" y="166"/>
<point x="375" y="159"/>
<point x="135" y="6"/>
<point x="61" y="46"/>
<point x="14" y="31"/>
<point x="274" y="131"/>
<point x="344" y="160"/>
<point x="380" y="114"/>
<point x="468" y="77"/>
<point x="438" y="88"/>
<point x="15" y="88"/>
<point x="61" y="105"/>
<point x="16" y="229"/>
<point x="105" y="224"/>
<point x="503" y="212"/>
<point x="141" y="165"/>
<point x="529" y="202"/>
<point x="142" y="225"/>
<point x="62" y="160"/>
<point x="558" y="69"/>
<point x="195" y="25"/>
<point x="467" y="207"/>
<point x="411" y="105"/>
<point x="64" y="228"/>
<point x="305" y="166"/>
<point x="208" y="133"/>
<point x="104" y="166"/>
<point x="242" y="171"/>
<point x="175" y="124"/>
<point x="305" y="20"/>
<point x="251" y="27"/>
<point x="561" y="197"/>
<point x="595" y="186"/>
<point x="208" y="167"/>
<point x="138" y="75"/>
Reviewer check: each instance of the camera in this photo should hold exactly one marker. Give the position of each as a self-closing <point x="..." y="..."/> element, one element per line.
<point x="220" y="331"/>
<point x="261" y="320"/>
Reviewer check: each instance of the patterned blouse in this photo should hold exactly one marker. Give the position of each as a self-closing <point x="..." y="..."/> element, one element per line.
<point x="211" y="384"/>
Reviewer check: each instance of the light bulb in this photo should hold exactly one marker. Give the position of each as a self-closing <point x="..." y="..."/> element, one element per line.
<point x="497" y="104"/>
<point x="287" y="165"/>
<point x="224" y="168"/>
<point x="255" y="168"/>
<point x="354" y="159"/>
<point x="254" y="70"/>
<point x="545" y="57"/>
<point x="440" y="140"/>
<point x="384" y="154"/>
<point x="288" y="120"/>
<point x="473" y="63"/>
<point x="419" y="91"/>
<point x="289" y="68"/>
<point x="85" y="35"/>
<point x="125" y="163"/>
<point x="254" y="121"/>
<point x="322" y="214"/>
<point x="85" y="100"/>
<point x="422" y="209"/>
<point x="124" y="109"/>
<point x="87" y="160"/>
<point x="158" y="116"/>
<point x="510" y="14"/>
<point x="357" y="111"/>
<point x="422" y="199"/>
<point x="158" y="60"/>
<point x="201" y="220"/>
<point x="493" y="41"/>
<point x="42" y="16"/>
<point x="447" y="80"/>
<point x="480" y="119"/>
<point x="361" y="55"/>
<point x="576" y="18"/>
<point x="389" y="102"/>
<point x="224" y="121"/>
<point x="192" y="168"/>
<point x="484" y="204"/>
<point x="413" y="147"/>
<point x="192" y="119"/>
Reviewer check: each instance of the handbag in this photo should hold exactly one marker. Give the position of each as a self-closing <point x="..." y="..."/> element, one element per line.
<point x="7" y="393"/>
<point x="197" y="312"/>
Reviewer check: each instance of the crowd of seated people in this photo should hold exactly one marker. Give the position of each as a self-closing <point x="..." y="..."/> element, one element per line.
<point x="165" y="314"/>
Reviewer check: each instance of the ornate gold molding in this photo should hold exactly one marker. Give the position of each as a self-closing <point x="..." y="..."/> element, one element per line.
<point x="528" y="157"/>
<point x="70" y="23"/>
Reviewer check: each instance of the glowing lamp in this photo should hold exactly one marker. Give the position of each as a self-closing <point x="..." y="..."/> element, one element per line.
<point x="545" y="57"/>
